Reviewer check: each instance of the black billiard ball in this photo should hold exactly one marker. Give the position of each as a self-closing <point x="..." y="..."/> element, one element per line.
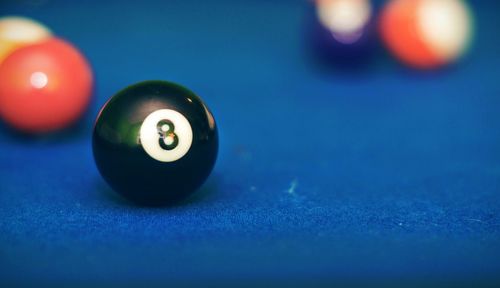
<point x="343" y="31"/>
<point x="155" y="142"/>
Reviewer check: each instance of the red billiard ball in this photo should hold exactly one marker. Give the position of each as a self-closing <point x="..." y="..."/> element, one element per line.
<point x="44" y="87"/>
<point x="426" y="34"/>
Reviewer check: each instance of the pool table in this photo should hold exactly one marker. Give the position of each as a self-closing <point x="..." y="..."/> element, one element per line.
<point x="377" y="175"/>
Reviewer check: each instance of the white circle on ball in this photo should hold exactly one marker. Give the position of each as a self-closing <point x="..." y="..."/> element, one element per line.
<point x="169" y="140"/>
<point x="39" y="80"/>
<point x="150" y="137"/>
<point x="165" y="127"/>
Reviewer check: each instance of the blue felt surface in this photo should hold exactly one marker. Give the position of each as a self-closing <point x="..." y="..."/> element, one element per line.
<point x="368" y="175"/>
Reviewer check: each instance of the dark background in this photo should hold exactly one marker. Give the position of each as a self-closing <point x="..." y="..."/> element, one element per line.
<point x="379" y="174"/>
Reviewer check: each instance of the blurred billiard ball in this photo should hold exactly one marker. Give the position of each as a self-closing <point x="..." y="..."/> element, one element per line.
<point x="16" y="32"/>
<point x="426" y="34"/>
<point x="155" y="142"/>
<point x="343" y="30"/>
<point x="44" y="87"/>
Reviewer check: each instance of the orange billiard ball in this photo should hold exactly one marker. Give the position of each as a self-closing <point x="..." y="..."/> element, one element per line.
<point x="426" y="34"/>
<point x="44" y="87"/>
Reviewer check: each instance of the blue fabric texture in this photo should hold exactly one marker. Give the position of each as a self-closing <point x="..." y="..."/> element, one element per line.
<point x="375" y="174"/>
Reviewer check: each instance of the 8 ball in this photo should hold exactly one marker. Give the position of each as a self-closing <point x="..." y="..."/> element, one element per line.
<point x="155" y="142"/>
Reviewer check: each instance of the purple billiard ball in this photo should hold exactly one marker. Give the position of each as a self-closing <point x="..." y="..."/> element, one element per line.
<point x="343" y="31"/>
